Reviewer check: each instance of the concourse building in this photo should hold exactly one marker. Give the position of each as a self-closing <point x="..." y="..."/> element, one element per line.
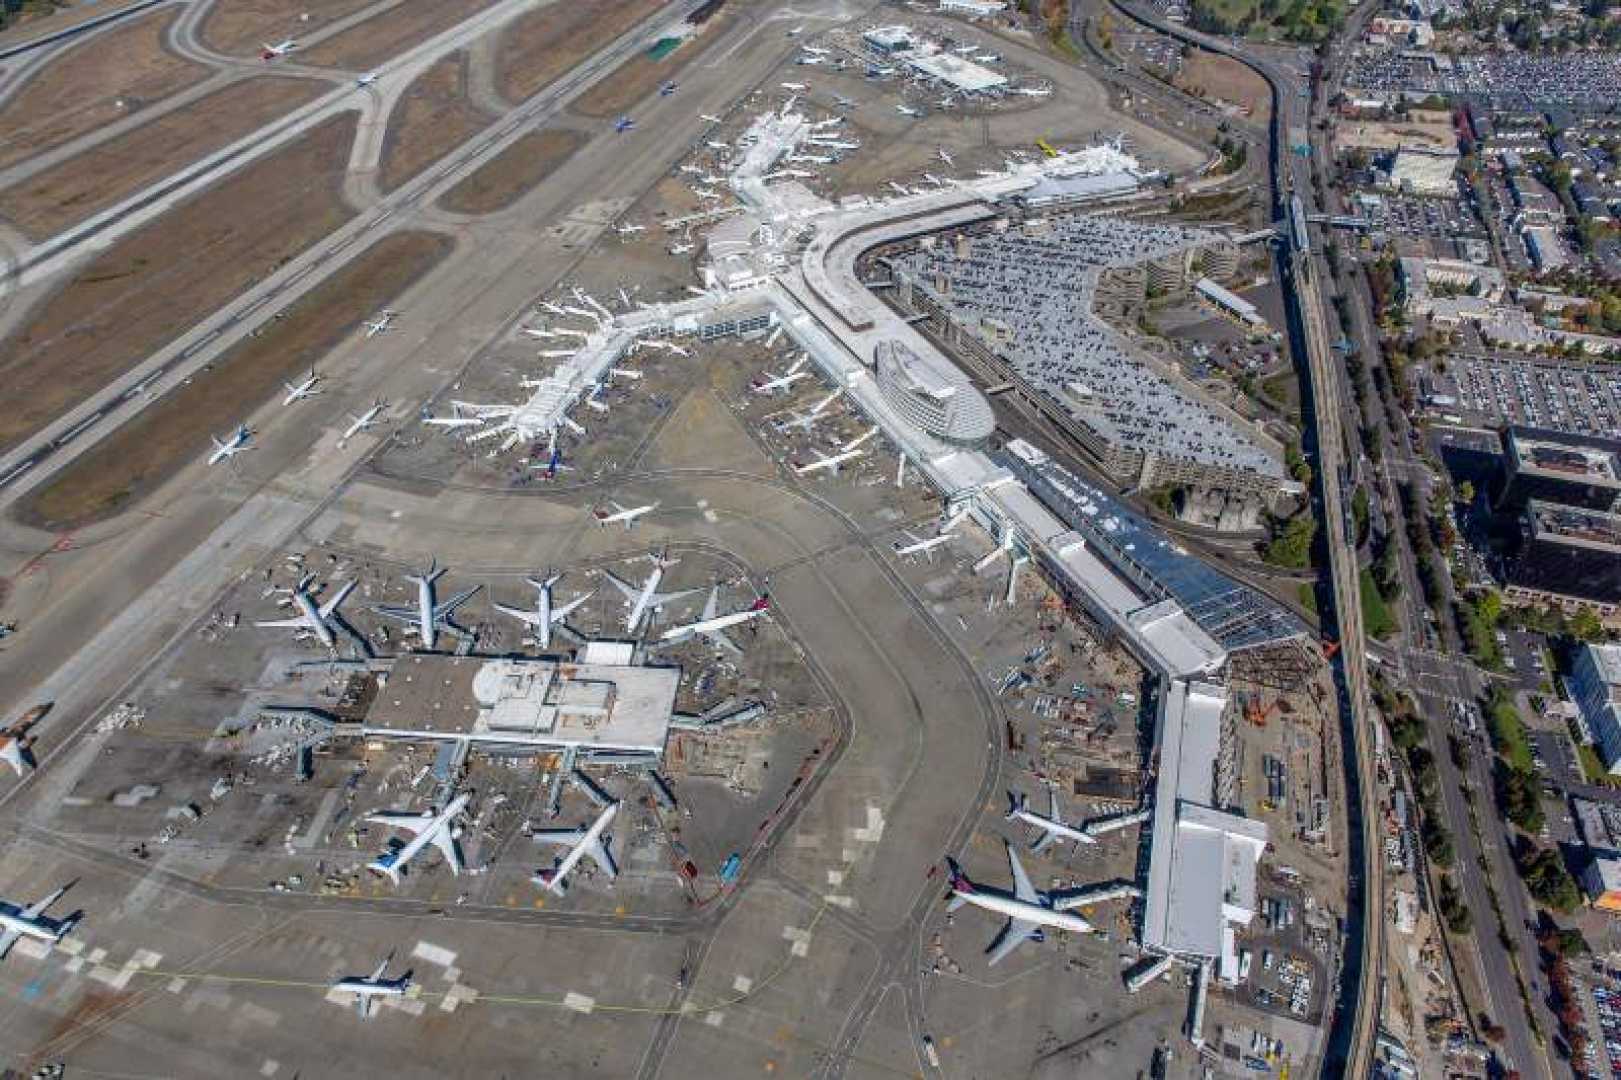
<point x="932" y="395"/>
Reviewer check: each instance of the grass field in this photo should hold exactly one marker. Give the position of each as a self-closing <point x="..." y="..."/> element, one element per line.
<point x="68" y="193"/>
<point x="499" y="182"/>
<point x="102" y="80"/>
<point x="391" y="33"/>
<point x="140" y="456"/>
<point x="544" y="44"/>
<point x="433" y="117"/>
<point x="1216" y="76"/>
<point x="243" y="27"/>
<point x="157" y="282"/>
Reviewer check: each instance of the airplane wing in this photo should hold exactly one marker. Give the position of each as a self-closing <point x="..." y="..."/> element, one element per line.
<point x="363" y="1006"/>
<point x="631" y="591"/>
<point x="719" y="638"/>
<point x="401" y="819"/>
<point x="1044" y="840"/>
<point x="399" y="614"/>
<point x="660" y="599"/>
<point x="1021" y="880"/>
<point x="34" y="911"/>
<point x="7" y="940"/>
<point x="294" y="623"/>
<point x="563" y="612"/>
<point x="15" y="754"/>
<point x="1015" y="933"/>
<point x="559" y="837"/>
<point x="445" y="841"/>
<point x="603" y="857"/>
<point x="711" y="606"/>
<point x="529" y="617"/>
<point x="378" y="974"/>
<point x="331" y="605"/>
<point x="448" y="608"/>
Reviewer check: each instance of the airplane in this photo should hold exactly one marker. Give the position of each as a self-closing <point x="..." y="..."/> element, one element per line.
<point x="553" y="308"/>
<point x="554" y="463"/>
<point x="810" y="159"/>
<point x="1051" y="825"/>
<point x="669" y="347"/>
<point x="796" y="87"/>
<point x="317" y="620"/>
<point x="1031" y="91"/>
<point x="988" y="58"/>
<point x="31" y="922"/>
<point x="848" y="452"/>
<point x="16" y="746"/>
<point x="845" y="103"/>
<point x="815" y="50"/>
<point x="1028" y="910"/>
<point x="429" y="614"/>
<point x="713" y="626"/>
<point x="279" y="49"/>
<point x="623" y="124"/>
<point x="630" y="229"/>
<point x="907" y="110"/>
<point x="628" y="515"/>
<point x="706" y="195"/>
<point x="930" y="178"/>
<point x="805" y="419"/>
<point x="795" y="32"/>
<point x="455" y="419"/>
<point x="717" y="144"/>
<point x="360" y="423"/>
<point x="811" y="61"/>
<point x="945" y="156"/>
<point x="233" y="445"/>
<point x="380" y="324"/>
<point x="917" y="545"/>
<point x="544" y="616"/>
<point x="834" y="144"/>
<point x="366" y="79"/>
<point x="368" y="988"/>
<point x="783" y="381"/>
<point x="874" y="72"/>
<point x="647" y="597"/>
<point x="428" y="827"/>
<point x="679" y="249"/>
<point x="582" y="842"/>
<point x="667" y="89"/>
<point x="899" y="190"/>
<point x="305" y="389"/>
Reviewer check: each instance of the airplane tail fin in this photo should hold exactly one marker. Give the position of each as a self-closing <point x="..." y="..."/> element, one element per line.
<point x="549" y="879"/>
<point x="958" y="880"/>
<point x="762" y="604"/>
<point x="1015" y="803"/>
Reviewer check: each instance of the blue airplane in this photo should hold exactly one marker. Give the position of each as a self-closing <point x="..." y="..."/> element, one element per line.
<point x="624" y="124"/>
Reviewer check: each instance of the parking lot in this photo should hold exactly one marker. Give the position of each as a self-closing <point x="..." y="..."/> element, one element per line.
<point x="1494" y="389"/>
<point x="1435" y="218"/>
<point x="1578" y="79"/>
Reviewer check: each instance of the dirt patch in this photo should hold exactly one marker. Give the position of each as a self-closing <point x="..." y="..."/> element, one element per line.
<point x="67" y="193"/>
<point x="159" y="280"/>
<point x="1211" y="75"/>
<point x="132" y="462"/>
<point x="499" y="182"/>
<point x="433" y="117"/>
<point x="244" y="27"/>
<point x="391" y="33"/>
<point x="105" y="79"/>
<point x="642" y="75"/>
<point x="542" y="45"/>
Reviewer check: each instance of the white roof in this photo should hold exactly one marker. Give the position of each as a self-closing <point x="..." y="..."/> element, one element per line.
<point x="961" y="74"/>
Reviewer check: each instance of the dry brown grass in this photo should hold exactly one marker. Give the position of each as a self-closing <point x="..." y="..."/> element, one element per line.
<point x="160" y="280"/>
<point x="391" y="33"/>
<point x="136" y="459"/>
<point x="242" y="27"/>
<point x="433" y="117"/>
<point x="83" y="91"/>
<point x="538" y="47"/>
<point x="499" y="182"/>
<point x="1223" y="77"/>
<point x="67" y="193"/>
<point x="641" y="75"/>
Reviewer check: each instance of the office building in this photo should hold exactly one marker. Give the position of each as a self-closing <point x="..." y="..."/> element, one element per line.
<point x="1555" y="467"/>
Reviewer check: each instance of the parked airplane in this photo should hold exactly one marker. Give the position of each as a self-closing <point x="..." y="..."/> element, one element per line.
<point x="305" y="389"/>
<point x="544" y="616"/>
<point x="899" y="190"/>
<point x="805" y="419"/>
<point x="455" y="419"/>
<point x="815" y="50"/>
<point x="360" y="423"/>
<point x="623" y="124"/>
<point x="1051" y="825"/>
<point x="1031" y="91"/>
<point x="281" y="48"/>
<point x="232" y="445"/>
<point x="366" y="79"/>
<point x="907" y="110"/>
<point x="712" y="625"/>
<point x="669" y="347"/>
<point x="1027" y="910"/>
<point x="945" y="156"/>
<point x="848" y="452"/>
<point x="627" y="515"/>
<point x="917" y="545"/>
<point x="581" y="842"/>
<point x="428" y="615"/>
<point x="796" y="87"/>
<point x="366" y="989"/>
<point x="381" y="323"/>
<point x="811" y="61"/>
<point x="679" y="249"/>
<point x="710" y="119"/>
<point x="16" y="745"/>
<point x="667" y="89"/>
<point x="646" y="598"/>
<point x="317" y="620"/>
<point x="630" y="229"/>
<point x="31" y="922"/>
<point x="428" y="827"/>
<point x="795" y="32"/>
<point x="784" y="380"/>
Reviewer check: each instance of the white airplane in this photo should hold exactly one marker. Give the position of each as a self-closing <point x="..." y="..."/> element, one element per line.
<point x="1027" y="910"/>
<point x="916" y="545"/>
<point x="553" y="308"/>
<point x="988" y="58"/>
<point x="231" y="446"/>
<point x="815" y="50"/>
<point x="428" y="615"/>
<point x="305" y="389"/>
<point x="1051" y="825"/>
<point x="809" y="159"/>
<point x="428" y="827"/>
<point x="930" y="178"/>
<point x="834" y="144"/>
<point x="945" y="156"/>
<point x="646" y="598"/>
<point x="669" y="347"/>
<point x="31" y="922"/>
<point x="713" y="626"/>
<point x="360" y="423"/>
<point x="706" y="195"/>
<point x="848" y="452"/>
<point x="629" y="230"/>
<point x="805" y="419"/>
<point x="381" y="323"/>
<point x="717" y="144"/>
<point x="455" y="419"/>
<point x="366" y="79"/>
<point x="16" y="745"/>
<point x="795" y="32"/>
<point x="544" y="616"/>
<point x="581" y="842"/>
<point x="627" y="515"/>
<point x="784" y="380"/>
<point x="710" y="119"/>
<point x="907" y="110"/>
<point x="796" y="87"/>
<point x="899" y="190"/>
<point x="281" y="48"/>
<point x="811" y="61"/>
<point x="317" y="620"/>
<point x="1031" y="91"/>
<point x="366" y="989"/>
<point x="679" y="249"/>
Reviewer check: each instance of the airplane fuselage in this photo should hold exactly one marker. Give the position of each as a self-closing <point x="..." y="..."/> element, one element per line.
<point x="644" y="599"/>
<point x="425" y="619"/>
<point x="1054" y="828"/>
<point x="1018" y="909"/>
<point x="37" y="928"/>
<point x="557" y="883"/>
<point x="316" y="621"/>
